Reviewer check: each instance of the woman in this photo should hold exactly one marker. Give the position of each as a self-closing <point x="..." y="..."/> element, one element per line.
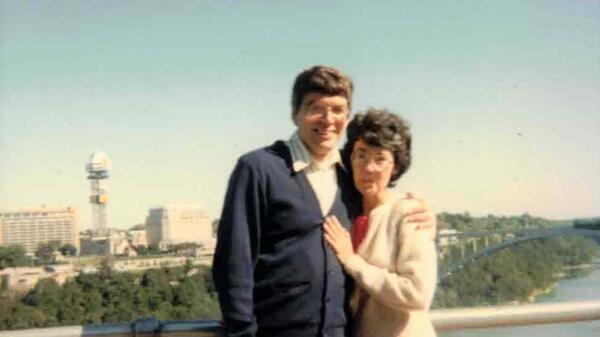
<point x="393" y="261"/>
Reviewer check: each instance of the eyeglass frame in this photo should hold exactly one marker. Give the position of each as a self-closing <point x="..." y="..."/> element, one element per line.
<point x="321" y="110"/>
<point x="379" y="164"/>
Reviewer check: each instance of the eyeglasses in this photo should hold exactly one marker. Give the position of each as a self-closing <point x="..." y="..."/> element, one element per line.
<point x="338" y="111"/>
<point x="380" y="162"/>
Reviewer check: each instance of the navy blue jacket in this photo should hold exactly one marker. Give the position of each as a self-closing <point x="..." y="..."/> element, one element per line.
<point x="272" y="269"/>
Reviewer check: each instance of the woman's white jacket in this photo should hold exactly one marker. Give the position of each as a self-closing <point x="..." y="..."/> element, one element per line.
<point x="395" y="270"/>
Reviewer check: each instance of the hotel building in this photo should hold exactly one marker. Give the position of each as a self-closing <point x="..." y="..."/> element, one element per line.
<point x="31" y="226"/>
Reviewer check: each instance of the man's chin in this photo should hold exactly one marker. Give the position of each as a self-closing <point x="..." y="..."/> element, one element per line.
<point x="328" y="147"/>
<point x="330" y="143"/>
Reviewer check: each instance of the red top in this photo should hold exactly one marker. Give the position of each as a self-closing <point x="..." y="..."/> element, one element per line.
<point x="359" y="230"/>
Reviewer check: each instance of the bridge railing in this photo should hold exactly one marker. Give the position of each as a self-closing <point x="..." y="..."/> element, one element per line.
<point x="443" y="320"/>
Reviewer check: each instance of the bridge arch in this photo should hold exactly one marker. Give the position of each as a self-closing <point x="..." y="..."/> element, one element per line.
<point x="534" y="235"/>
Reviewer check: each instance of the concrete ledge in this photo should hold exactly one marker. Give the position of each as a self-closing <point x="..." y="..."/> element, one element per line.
<point x="515" y="315"/>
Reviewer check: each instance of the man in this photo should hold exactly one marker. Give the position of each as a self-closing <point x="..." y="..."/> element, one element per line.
<point x="273" y="271"/>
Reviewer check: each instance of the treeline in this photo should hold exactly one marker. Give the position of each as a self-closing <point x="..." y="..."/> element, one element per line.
<point x="16" y="256"/>
<point x="514" y="273"/>
<point x="168" y="294"/>
<point x="466" y="222"/>
<point x="593" y="223"/>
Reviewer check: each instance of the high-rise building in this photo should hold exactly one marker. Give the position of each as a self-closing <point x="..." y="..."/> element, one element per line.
<point x="98" y="168"/>
<point x="174" y="224"/>
<point x="31" y="226"/>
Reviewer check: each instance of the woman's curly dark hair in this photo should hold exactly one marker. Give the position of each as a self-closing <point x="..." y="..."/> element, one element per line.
<point x="381" y="128"/>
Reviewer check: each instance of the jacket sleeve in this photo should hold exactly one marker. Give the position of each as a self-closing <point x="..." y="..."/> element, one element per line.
<point x="235" y="254"/>
<point x="410" y="283"/>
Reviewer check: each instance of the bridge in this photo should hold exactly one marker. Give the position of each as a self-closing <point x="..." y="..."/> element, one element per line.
<point x="503" y="238"/>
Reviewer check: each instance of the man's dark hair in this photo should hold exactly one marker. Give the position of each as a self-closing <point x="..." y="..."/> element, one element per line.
<point x="323" y="80"/>
<point x="381" y="128"/>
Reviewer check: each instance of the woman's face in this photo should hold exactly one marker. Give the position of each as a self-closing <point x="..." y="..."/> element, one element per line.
<point x="372" y="168"/>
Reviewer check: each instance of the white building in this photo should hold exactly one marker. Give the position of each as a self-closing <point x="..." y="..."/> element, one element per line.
<point x="447" y="237"/>
<point x="174" y="224"/>
<point x="31" y="226"/>
<point x="138" y="237"/>
<point x="114" y="242"/>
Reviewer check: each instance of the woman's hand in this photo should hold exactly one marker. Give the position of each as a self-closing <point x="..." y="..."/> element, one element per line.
<point x="338" y="238"/>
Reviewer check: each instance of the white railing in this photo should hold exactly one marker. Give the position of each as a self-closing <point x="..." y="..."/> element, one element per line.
<point x="515" y="315"/>
<point x="443" y="320"/>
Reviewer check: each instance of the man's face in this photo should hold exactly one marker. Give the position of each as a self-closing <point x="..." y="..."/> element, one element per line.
<point x="321" y="122"/>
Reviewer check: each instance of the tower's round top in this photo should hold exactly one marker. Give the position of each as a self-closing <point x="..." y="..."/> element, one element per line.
<point x="98" y="162"/>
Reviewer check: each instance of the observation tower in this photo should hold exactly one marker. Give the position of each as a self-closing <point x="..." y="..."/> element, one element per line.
<point x="98" y="168"/>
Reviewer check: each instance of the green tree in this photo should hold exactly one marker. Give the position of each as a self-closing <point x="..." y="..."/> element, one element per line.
<point x="68" y="250"/>
<point x="6" y="310"/>
<point x="185" y="293"/>
<point x="93" y="307"/>
<point x="157" y="288"/>
<point x="153" y="249"/>
<point x="45" y="252"/>
<point x="26" y="317"/>
<point x="46" y="297"/>
<point x="188" y="266"/>
<point x="141" y="250"/>
<point x="3" y="284"/>
<point x="71" y="310"/>
<point x="165" y="311"/>
<point x="119" y="298"/>
<point x="13" y="256"/>
<point x="141" y="301"/>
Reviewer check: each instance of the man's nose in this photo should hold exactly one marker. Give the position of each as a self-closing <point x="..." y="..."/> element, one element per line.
<point x="328" y="115"/>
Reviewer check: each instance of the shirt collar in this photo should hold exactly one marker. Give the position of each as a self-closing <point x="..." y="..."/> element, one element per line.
<point x="301" y="157"/>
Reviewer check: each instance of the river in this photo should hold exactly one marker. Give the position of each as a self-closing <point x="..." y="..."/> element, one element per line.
<point x="581" y="286"/>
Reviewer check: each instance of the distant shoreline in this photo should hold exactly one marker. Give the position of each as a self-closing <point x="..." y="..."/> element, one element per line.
<point x="559" y="276"/>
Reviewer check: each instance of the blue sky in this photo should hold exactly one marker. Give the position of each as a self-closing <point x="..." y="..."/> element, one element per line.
<point x="503" y="97"/>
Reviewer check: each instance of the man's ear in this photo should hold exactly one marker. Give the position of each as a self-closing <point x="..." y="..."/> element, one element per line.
<point x="295" y="117"/>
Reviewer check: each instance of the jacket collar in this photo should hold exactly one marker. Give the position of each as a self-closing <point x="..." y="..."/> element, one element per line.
<point x="301" y="157"/>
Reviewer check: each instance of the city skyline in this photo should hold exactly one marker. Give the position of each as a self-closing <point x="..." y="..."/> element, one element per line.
<point x="503" y="98"/>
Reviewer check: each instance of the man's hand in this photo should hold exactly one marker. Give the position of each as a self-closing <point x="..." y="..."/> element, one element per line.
<point x="338" y="238"/>
<point x="423" y="217"/>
